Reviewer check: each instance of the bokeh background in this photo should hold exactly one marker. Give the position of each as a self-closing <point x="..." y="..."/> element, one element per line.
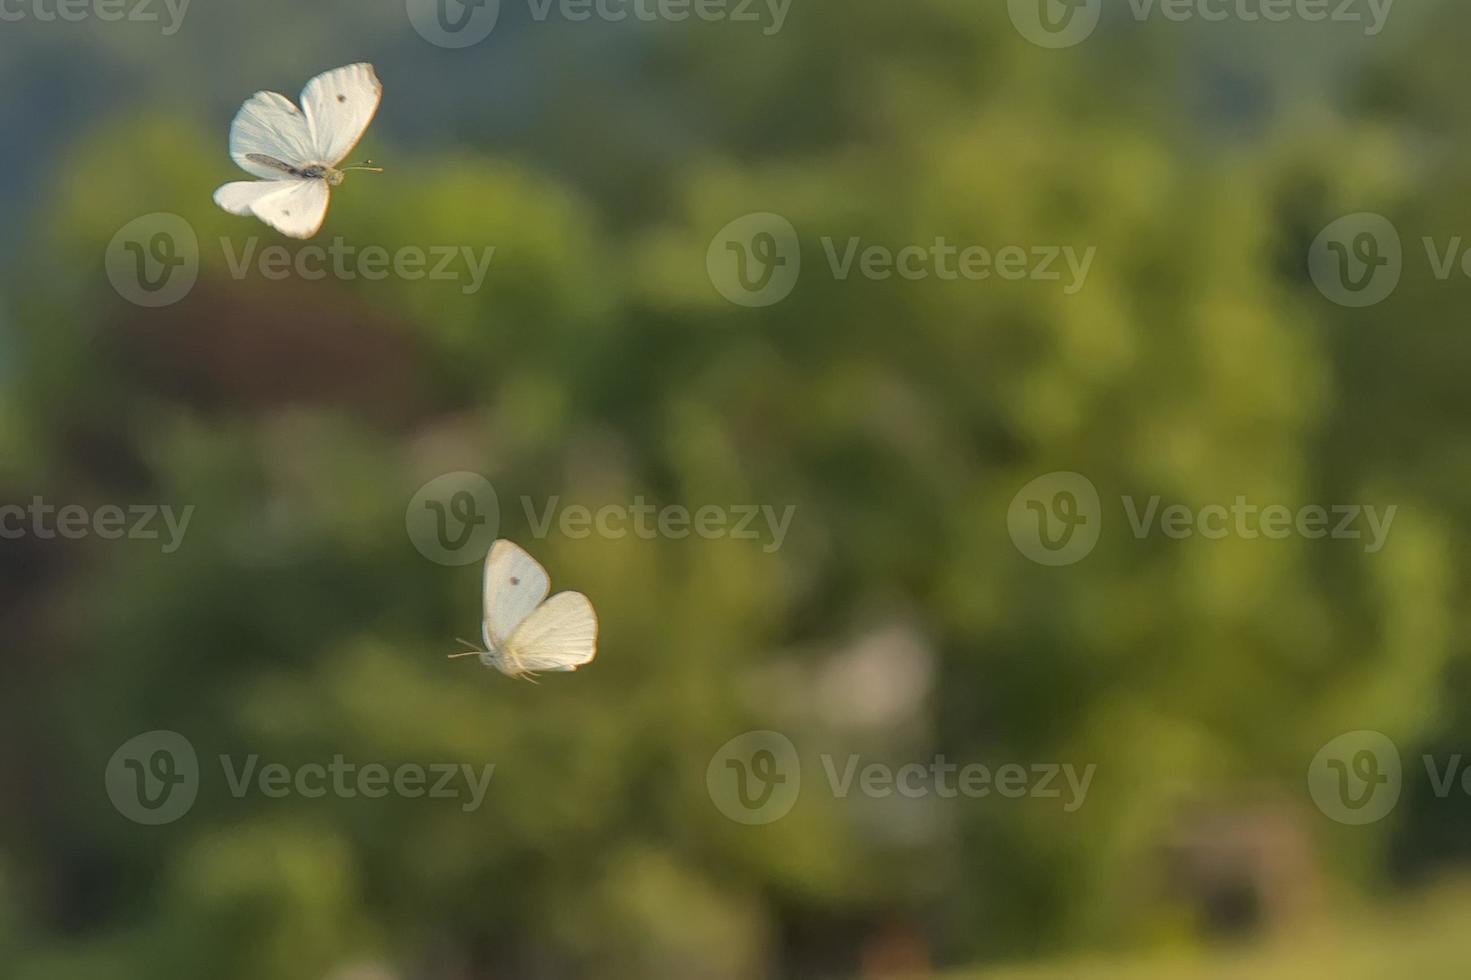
<point x="897" y="620"/>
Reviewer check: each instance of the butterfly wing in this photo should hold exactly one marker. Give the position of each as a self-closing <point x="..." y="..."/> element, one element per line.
<point x="339" y="105"/>
<point x="240" y="196"/>
<point x="562" y="634"/>
<point x="514" y="585"/>
<point x="269" y="127"/>
<point x="296" y="209"/>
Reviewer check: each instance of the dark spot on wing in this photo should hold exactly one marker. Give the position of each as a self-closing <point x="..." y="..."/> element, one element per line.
<point x="286" y="213"/>
<point x="342" y="98"/>
<point x="515" y="580"/>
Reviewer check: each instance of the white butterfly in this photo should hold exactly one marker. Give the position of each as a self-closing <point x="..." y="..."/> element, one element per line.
<point x="524" y="635"/>
<point x="295" y="151"/>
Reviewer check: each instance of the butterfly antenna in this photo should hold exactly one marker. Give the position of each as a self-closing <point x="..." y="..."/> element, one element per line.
<point x="365" y="165"/>
<point x="473" y="652"/>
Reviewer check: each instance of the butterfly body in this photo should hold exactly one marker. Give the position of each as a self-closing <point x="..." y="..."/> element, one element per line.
<point x="525" y="633"/>
<point x="297" y="152"/>
<point x="312" y="171"/>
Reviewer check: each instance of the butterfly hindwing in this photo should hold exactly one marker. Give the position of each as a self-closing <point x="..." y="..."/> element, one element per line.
<point x="240" y="196"/>
<point x="562" y="634"/>
<point x="297" y="210"/>
<point x="339" y="105"/>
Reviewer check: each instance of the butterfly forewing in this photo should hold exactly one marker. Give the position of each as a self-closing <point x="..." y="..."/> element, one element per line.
<point x="339" y="105"/>
<point x="514" y="585"/>
<point x="562" y="634"/>
<point x="269" y="125"/>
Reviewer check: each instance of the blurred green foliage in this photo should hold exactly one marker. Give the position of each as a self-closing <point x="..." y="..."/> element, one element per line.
<point x="598" y="364"/>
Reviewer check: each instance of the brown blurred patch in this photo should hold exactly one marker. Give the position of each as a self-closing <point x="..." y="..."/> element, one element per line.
<point x="255" y="347"/>
<point x="1244" y="868"/>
